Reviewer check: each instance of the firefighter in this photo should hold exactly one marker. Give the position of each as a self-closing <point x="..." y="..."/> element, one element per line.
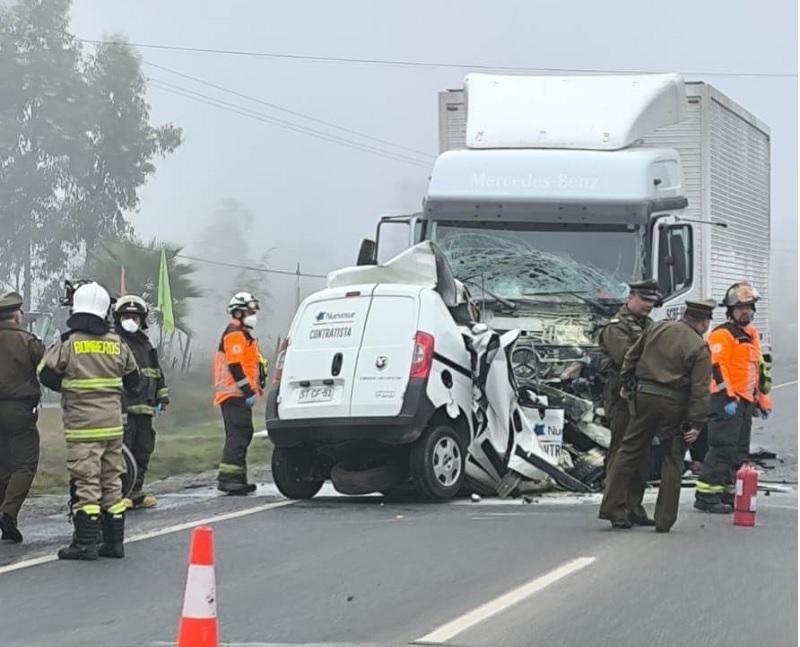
<point x="738" y="384"/>
<point x="239" y="378"/>
<point x="665" y="374"/>
<point x="19" y="400"/>
<point x="91" y="367"/>
<point x="130" y="321"/>
<point x="616" y="337"/>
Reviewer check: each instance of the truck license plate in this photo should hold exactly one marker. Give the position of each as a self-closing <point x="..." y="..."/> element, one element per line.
<point x="315" y="394"/>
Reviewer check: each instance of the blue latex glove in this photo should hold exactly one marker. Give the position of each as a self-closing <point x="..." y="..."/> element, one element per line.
<point x="765" y="414"/>
<point x="159" y="410"/>
<point x="730" y="409"/>
<point x="250" y="401"/>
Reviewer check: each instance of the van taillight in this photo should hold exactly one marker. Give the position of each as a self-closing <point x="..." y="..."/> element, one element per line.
<point x="422" y="359"/>
<point x="277" y="372"/>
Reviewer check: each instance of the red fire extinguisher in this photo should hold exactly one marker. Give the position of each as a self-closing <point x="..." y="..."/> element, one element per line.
<point x="744" y="504"/>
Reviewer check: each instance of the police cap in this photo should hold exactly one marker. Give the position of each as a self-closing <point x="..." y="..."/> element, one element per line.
<point x="701" y="310"/>
<point x="10" y="303"/>
<point x="647" y="289"/>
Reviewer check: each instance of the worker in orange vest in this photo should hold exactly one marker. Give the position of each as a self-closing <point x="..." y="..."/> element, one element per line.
<point x="238" y="380"/>
<point x="739" y="386"/>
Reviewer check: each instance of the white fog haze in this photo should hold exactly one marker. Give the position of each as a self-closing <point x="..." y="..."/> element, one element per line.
<point x="312" y="199"/>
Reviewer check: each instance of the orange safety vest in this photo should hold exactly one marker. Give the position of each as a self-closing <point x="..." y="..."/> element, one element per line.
<point x="735" y="358"/>
<point x="236" y="365"/>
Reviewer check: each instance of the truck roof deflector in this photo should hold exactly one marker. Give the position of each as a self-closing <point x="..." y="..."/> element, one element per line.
<point x="570" y="112"/>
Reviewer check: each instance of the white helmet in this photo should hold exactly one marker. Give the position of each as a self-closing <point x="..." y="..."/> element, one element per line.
<point x="243" y="301"/>
<point x="132" y="304"/>
<point x="91" y="299"/>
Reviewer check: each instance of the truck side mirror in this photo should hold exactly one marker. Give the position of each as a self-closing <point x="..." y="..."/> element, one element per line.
<point x="368" y="253"/>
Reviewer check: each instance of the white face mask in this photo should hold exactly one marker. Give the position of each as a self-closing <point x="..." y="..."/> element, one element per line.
<point x="250" y="321"/>
<point x="130" y="325"/>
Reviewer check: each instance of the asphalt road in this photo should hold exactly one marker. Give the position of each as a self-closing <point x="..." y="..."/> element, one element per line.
<point x="356" y="571"/>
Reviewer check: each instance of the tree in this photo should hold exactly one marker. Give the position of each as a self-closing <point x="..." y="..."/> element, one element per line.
<point x="141" y="263"/>
<point x="76" y="142"/>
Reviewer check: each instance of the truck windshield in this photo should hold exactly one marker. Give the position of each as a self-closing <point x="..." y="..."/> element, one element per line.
<point x="534" y="260"/>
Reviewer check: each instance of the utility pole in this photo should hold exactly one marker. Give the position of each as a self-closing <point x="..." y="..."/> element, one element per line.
<point x="297" y="289"/>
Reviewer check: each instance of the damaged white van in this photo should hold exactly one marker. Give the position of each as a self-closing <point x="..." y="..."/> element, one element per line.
<point x="373" y="385"/>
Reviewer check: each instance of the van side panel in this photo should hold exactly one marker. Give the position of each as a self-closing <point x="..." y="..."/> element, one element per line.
<point x="320" y="362"/>
<point x="384" y="360"/>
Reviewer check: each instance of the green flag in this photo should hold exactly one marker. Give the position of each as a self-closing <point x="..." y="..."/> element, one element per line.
<point x="165" y="296"/>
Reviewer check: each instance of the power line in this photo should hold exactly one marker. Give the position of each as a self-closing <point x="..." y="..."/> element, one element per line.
<point x="249" y="267"/>
<point x="406" y="63"/>
<point x="258" y="116"/>
<point x="286" y="110"/>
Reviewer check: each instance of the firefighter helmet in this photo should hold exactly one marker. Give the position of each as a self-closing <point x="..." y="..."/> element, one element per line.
<point x="134" y="305"/>
<point x="243" y="301"/>
<point x="740" y="294"/>
<point x="91" y="299"/>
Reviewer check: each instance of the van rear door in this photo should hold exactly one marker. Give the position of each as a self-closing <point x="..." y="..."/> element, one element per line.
<point x="384" y="360"/>
<point x="320" y="363"/>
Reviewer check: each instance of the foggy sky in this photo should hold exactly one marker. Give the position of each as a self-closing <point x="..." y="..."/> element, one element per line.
<point x="292" y="180"/>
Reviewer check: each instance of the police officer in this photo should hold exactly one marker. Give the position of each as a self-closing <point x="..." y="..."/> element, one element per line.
<point x="239" y="377"/>
<point x="738" y="393"/>
<point x="667" y="372"/>
<point x="616" y="337"/>
<point x="91" y="367"/>
<point x="20" y="394"/>
<point x="130" y="321"/>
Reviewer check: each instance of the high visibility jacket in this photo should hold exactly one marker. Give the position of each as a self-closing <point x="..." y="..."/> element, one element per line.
<point x="91" y="372"/>
<point x="147" y="358"/>
<point x="735" y="360"/>
<point x="236" y="365"/>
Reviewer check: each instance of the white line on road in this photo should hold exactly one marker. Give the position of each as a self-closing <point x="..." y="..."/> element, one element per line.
<point x="785" y="384"/>
<point x="448" y="631"/>
<point x="158" y="533"/>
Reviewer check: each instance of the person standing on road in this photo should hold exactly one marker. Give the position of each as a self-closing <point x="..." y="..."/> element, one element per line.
<point x="20" y="394"/>
<point x="737" y="395"/>
<point x="130" y="321"/>
<point x="615" y="339"/>
<point x="90" y="367"/>
<point x="238" y="379"/>
<point x="666" y="375"/>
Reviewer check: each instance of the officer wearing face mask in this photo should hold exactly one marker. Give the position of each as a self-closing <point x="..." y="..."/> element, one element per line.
<point x="738" y="393"/>
<point x="238" y="381"/>
<point x="130" y="322"/>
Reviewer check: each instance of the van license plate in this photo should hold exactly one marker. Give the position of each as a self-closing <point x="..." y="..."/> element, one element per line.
<point x="315" y="394"/>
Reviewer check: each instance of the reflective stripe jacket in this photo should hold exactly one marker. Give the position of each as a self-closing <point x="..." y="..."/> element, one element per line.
<point x="236" y="365"/>
<point x="147" y="359"/>
<point x="735" y="359"/>
<point x="91" y="372"/>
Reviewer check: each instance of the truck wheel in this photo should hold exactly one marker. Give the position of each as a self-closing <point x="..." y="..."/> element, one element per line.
<point x="131" y="471"/>
<point x="355" y="478"/>
<point x="437" y="463"/>
<point x="287" y="465"/>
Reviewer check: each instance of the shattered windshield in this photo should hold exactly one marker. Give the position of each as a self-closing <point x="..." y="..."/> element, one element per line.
<point x="536" y="259"/>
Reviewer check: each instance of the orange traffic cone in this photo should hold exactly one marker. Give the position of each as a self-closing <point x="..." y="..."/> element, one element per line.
<point x="198" y="625"/>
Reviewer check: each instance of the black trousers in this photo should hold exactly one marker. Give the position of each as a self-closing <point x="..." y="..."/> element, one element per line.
<point x="140" y="438"/>
<point x="19" y="454"/>
<point x="238" y="419"/>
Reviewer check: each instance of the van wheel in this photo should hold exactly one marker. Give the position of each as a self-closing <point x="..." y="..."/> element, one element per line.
<point x="289" y="466"/>
<point x="437" y="463"/>
<point x="365" y="477"/>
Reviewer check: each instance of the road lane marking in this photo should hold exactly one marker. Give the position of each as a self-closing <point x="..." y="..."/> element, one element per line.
<point x="447" y="632"/>
<point x="168" y="530"/>
<point x="785" y="384"/>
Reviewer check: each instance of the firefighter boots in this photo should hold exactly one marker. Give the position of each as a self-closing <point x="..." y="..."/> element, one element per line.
<point x="8" y="526"/>
<point x="113" y="535"/>
<point x="712" y="504"/>
<point x="84" y="538"/>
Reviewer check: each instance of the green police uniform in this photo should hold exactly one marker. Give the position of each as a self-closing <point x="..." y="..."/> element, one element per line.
<point x="19" y="399"/>
<point x="615" y="339"/>
<point x="669" y="370"/>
